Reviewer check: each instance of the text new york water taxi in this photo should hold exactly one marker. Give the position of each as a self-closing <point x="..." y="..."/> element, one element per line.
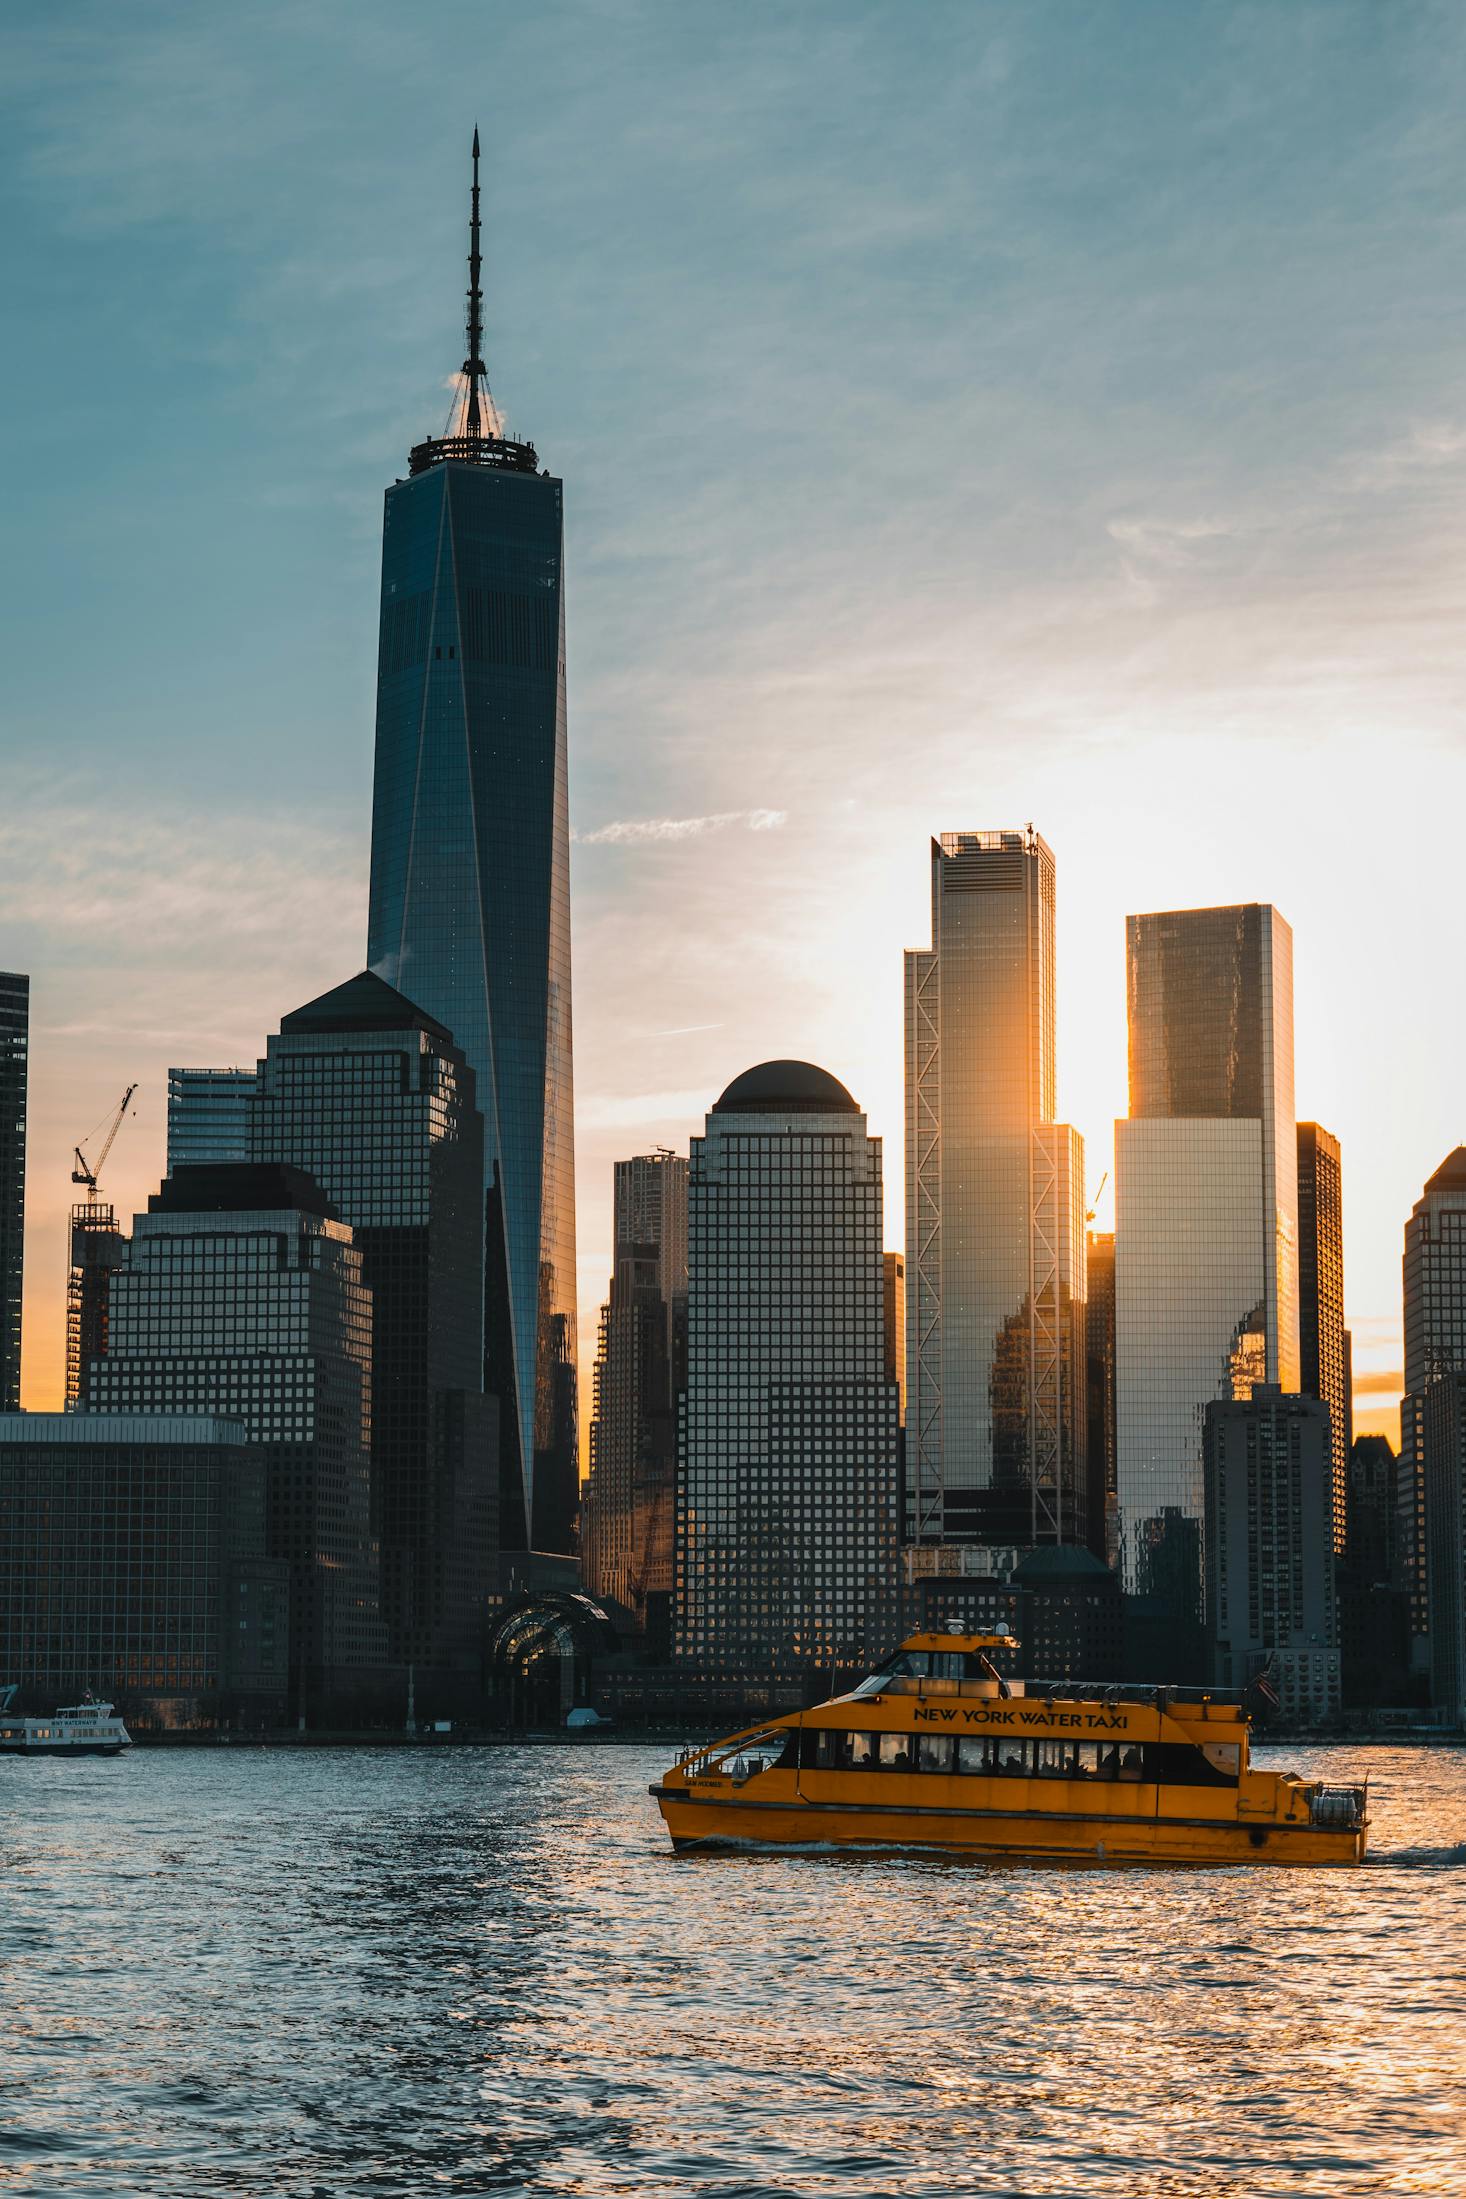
<point x="937" y="1750"/>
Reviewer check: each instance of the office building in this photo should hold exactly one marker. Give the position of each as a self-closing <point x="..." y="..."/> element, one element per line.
<point x="995" y="1286"/>
<point x="893" y="1311"/>
<point x="1206" y="1219"/>
<point x="373" y="1100"/>
<point x="1323" y="1360"/>
<point x="1374" y="1606"/>
<point x="628" y="1514"/>
<point x="97" y="1251"/>
<point x="15" y="1010"/>
<point x="208" y="1117"/>
<point x="240" y="1296"/>
<point x="1435" y="1344"/>
<point x="133" y="1562"/>
<point x="787" y="1496"/>
<point x="1270" y="1602"/>
<point x="1099" y="1397"/>
<point x="469" y="909"/>
<point x="1440" y="1431"/>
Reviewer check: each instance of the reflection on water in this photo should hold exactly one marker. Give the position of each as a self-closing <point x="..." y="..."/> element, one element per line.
<point x="481" y="1971"/>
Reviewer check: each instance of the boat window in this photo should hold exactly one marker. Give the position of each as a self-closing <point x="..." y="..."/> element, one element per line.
<point x="1131" y="1761"/>
<point x="788" y="1757"/>
<point x="1223" y="1756"/>
<point x="1055" y="1759"/>
<point x="1179" y="1764"/>
<point x="862" y="1751"/>
<point x="975" y="1753"/>
<point x="934" y="1751"/>
<point x="1014" y="1758"/>
<point x="895" y="1752"/>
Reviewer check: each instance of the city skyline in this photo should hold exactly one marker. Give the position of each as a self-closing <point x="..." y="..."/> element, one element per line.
<point x="174" y="880"/>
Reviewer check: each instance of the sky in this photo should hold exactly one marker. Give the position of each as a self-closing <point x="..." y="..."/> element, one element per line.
<point x="969" y="415"/>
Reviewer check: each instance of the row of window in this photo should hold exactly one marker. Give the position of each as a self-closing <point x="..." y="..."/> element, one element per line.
<point x="1009" y="1756"/>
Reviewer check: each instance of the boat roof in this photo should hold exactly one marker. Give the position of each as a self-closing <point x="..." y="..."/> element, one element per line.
<point x="950" y="1638"/>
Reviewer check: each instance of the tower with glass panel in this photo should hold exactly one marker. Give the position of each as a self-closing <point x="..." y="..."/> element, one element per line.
<point x="1435" y="1345"/>
<point x="788" y="1494"/>
<point x="469" y="910"/>
<point x="371" y="1098"/>
<point x="208" y="1116"/>
<point x="1206" y="1217"/>
<point x="15" y="1004"/>
<point x="995" y="1246"/>
<point x="1323" y="1357"/>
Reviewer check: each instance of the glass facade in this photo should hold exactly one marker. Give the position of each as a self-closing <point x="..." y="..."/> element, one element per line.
<point x="239" y="1296"/>
<point x="1269" y="1516"/>
<point x="208" y="1116"/>
<point x="374" y="1101"/>
<point x="15" y="1006"/>
<point x="1435" y="1344"/>
<point x="628" y="1509"/>
<point x="1206" y="1222"/>
<point x="995" y="1246"/>
<point x="1322" y="1344"/>
<point x="788" y="1489"/>
<point x="132" y="1562"/>
<point x="470" y="902"/>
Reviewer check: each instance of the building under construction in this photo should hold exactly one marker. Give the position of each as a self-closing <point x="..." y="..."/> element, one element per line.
<point x="96" y="1253"/>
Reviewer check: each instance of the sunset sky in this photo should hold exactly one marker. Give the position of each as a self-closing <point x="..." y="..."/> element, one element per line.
<point x="968" y="415"/>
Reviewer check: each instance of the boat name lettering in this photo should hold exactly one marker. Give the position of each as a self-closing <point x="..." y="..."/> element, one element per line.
<point x="1086" y="1721"/>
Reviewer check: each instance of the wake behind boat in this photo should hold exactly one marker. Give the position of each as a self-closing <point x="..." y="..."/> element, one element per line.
<point x="936" y="1749"/>
<point x="87" y="1728"/>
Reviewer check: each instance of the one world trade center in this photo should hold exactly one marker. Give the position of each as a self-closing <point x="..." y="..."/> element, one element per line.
<point x="470" y="886"/>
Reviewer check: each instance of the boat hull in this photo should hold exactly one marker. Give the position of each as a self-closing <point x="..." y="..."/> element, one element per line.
<point x="694" y="1822"/>
<point x="65" y="1748"/>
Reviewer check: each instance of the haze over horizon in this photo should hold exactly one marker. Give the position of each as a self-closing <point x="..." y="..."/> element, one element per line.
<point x="966" y="417"/>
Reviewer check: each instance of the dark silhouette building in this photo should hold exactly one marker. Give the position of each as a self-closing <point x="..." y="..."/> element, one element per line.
<point x="1099" y="1395"/>
<point x="15" y="1000"/>
<point x="1374" y="1608"/>
<point x="240" y="1297"/>
<point x="470" y="891"/>
<point x="1323" y="1359"/>
<point x="1069" y="1615"/>
<point x="133" y="1562"/>
<point x="1435" y="1344"/>
<point x="1440" y="1424"/>
<point x="372" y="1098"/>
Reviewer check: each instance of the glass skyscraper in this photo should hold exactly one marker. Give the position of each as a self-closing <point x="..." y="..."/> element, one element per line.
<point x="1206" y="1217"/>
<point x="15" y="1002"/>
<point x="995" y="1248"/>
<point x="1323" y="1357"/>
<point x="208" y="1116"/>
<point x="788" y="1514"/>
<point x="470" y="890"/>
<point x="1435" y="1345"/>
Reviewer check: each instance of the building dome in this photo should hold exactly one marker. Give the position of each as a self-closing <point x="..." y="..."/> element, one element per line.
<point x="786" y="1087"/>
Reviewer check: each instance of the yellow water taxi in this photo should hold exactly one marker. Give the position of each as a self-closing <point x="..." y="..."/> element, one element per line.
<point x="937" y="1749"/>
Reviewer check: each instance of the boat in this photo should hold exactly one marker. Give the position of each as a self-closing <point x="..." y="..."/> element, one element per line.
<point x="938" y="1749"/>
<point x="87" y="1728"/>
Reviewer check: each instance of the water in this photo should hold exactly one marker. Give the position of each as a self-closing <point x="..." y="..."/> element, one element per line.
<point x="234" y="1971"/>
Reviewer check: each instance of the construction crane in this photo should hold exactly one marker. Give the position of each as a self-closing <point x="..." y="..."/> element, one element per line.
<point x="1089" y="1217"/>
<point x="84" y="1173"/>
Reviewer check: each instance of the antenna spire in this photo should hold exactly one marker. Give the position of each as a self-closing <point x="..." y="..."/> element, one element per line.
<point x="473" y="366"/>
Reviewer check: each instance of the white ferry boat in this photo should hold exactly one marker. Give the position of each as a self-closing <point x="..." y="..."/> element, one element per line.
<point x="87" y="1728"/>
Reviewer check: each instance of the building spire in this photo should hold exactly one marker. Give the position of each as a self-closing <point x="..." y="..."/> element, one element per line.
<point x="473" y="366"/>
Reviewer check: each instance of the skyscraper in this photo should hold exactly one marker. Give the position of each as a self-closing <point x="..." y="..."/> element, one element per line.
<point x="373" y="1100"/>
<point x="240" y="1296"/>
<point x="1270" y="1547"/>
<point x="1435" y="1344"/>
<point x="1206" y="1217"/>
<point x="1099" y="1334"/>
<point x="787" y="1494"/>
<point x="995" y="1285"/>
<point x="15" y="1005"/>
<point x="470" y="896"/>
<point x="1440" y="1433"/>
<point x="208" y="1116"/>
<point x="1322" y="1354"/>
<point x="628" y="1512"/>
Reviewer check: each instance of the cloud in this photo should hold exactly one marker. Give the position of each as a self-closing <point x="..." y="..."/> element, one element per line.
<point x="1391" y="1384"/>
<point x="635" y="1110"/>
<point x="629" y="831"/>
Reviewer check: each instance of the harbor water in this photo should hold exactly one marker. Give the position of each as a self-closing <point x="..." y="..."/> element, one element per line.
<point x="321" y="1973"/>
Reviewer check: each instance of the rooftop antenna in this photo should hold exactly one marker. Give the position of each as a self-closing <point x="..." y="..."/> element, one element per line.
<point x="473" y="366"/>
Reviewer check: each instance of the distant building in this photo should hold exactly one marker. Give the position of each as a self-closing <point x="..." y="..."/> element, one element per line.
<point x="1323" y="1357"/>
<point x="240" y="1297"/>
<point x="208" y="1116"/>
<point x="15" y="997"/>
<point x="469" y="900"/>
<point x="374" y="1100"/>
<point x="97" y="1250"/>
<point x="1440" y="1430"/>
<point x="787" y="1502"/>
<point x="1270" y="1599"/>
<point x="1435" y="1344"/>
<point x="1374" y="1609"/>
<point x="995" y="1286"/>
<point x="628" y="1511"/>
<point x="893" y="1313"/>
<point x="132" y="1562"/>
<point x="1099" y="1399"/>
<point x="1068" y="1616"/>
<point x="1206" y="1217"/>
